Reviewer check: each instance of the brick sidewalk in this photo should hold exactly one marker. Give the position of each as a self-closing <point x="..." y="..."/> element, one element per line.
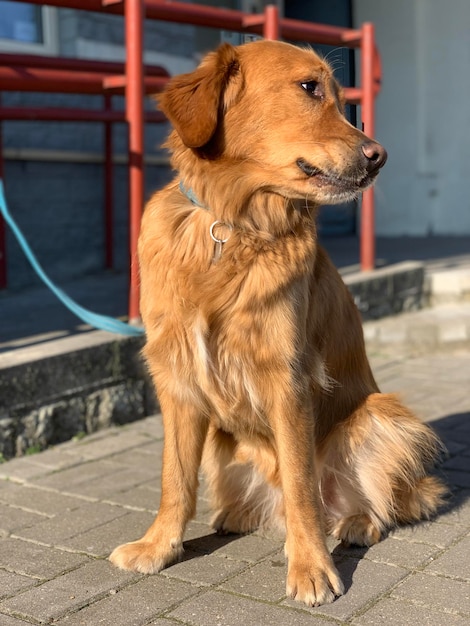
<point x="65" y="509"/>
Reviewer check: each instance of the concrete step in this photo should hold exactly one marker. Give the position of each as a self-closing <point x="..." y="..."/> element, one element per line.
<point x="443" y="327"/>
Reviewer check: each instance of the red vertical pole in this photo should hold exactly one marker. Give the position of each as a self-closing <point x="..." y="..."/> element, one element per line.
<point x="3" y="243"/>
<point x="271" y="22"/>
<point x="134" y="16"/>
<point x="367" y="104"/>
<point x="108" y="187"/>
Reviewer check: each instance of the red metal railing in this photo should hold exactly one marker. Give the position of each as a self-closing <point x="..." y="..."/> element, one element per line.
<point x="30" y="73"/>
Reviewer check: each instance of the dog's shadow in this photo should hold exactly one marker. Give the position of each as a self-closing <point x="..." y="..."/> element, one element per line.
<point x="207" y="544"/>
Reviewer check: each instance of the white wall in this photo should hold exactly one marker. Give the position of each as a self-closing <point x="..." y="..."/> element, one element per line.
<point x="423" y="114"/>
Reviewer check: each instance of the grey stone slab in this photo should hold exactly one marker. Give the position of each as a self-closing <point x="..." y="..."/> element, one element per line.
<point x="249" y="548"/>
<point x="147" y="456"/>
<point x="389" y="612"/>
<point x="103" y="487"/>
<point x="55" y="458"/>
<point x="68" y="479"/>
<point x="66" y="593"/>
<point x="22" y="469"/>
<point x="134" y="605"/>
<point x="204" y="569"/>
<point x="428" y="590"/>
<point x="265" y="581"/>
<point x="457" y="511"/>
<point x="120" y="439"/>
<point x="11" y="583"/>
<point x="457" y="479"/>
<point x="454" y="562"/>
<point x="6" y="620"/>
<point x="364" y="581"/>
<point x="441" y="535"/>
<point x="65" y="525"/>
<point x="223" y="609"/>
<point x="30" y="559"/>
<point x="37" y="500"/>
<point x="14" y="519"/>
<point x="101" y="540"/>
<point x="143" y="497"/>
<point x="151" y="426"/>
<point x="395" y="552"/>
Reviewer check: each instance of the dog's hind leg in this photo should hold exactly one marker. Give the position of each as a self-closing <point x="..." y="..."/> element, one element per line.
<point x="242" y="497"/>
<point x="375" y="472"/>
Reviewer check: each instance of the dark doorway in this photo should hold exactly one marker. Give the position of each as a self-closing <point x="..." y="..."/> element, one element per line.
<point x="339" y="219"/>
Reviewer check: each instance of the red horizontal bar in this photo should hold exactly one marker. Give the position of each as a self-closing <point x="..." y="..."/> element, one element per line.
<point x="62" y="81"/>
<point x="51" y="114"/>
<point x="214" y="17"/>
<point x="353" y="95"/>
<point x="152" y="84"/>
<point x="319" y="33"/>
<point x="83" y="65"/>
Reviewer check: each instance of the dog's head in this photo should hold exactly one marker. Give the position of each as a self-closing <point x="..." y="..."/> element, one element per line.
<point x="278" y="109"/>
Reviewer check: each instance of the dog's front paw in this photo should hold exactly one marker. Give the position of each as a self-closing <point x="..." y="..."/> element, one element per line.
<point x="146" y="557"/>
<point x="314" y="585"/>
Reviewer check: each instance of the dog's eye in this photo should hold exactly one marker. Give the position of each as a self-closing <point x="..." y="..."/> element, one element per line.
<point x="313" y="88"/>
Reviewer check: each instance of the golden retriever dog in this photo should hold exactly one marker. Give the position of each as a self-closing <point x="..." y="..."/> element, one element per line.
<point x="254" y="343"/>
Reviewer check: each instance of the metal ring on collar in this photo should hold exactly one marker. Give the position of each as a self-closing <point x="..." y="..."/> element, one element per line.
<point x="216" y="223"/>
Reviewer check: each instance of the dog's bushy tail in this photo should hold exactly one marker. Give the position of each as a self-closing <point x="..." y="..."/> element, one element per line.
<point x="379" y="464"/>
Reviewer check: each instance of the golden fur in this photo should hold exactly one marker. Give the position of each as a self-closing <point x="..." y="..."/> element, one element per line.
<point x="258" y="356"/>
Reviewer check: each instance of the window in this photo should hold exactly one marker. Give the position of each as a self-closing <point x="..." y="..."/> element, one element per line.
<point x="27" y="28"/>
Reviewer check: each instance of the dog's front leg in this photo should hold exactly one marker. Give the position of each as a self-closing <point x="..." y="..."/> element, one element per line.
<point x="312" y="577"/>
<point x="185" y="432"/>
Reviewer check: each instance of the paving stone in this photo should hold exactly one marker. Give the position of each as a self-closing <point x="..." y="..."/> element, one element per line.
<point x="11" y="583"/>
<point x="145" y="497"/>
<point x="457" y="510"/>
<point x="68" y="479"/>
<point x="394" y="552"/>
<point x="22" y="469"/>
<point x="101" y="540"/>
<point x="223" y="609"/>
<point x="390" y="612"/>
<point x="435" y="591"/>
<point x="203" y="569"/>
<point x="37" y="500"/>
<point x="454" y="562"/>
<point x="250" y="548"/>
<point x="134" y="605"/>
<point x="151" y="426"/>
<point x="265" y="581"/>
<point x="104" y="486"/>
<point x="6" y="620"/>
<point x="14" y="519"/>
<point x="71" y="523"/>
<point x="69" y="592"/>
<point x="148" y="456"/>
<point x="30" y="559"/>
<point x="364" y="581"/>
<point x="458" y="479"/>
<point x="120" y="439"/>
<point x="440" y="535"/>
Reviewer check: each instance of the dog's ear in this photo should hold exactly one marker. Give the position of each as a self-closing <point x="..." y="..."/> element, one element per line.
<point x="192" y="102"/>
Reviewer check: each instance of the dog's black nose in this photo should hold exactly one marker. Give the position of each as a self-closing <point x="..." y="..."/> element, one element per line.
<point x="375" y="154"/>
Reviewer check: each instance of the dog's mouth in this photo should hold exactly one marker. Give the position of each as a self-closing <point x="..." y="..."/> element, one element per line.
<point x="335" y="182"/>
